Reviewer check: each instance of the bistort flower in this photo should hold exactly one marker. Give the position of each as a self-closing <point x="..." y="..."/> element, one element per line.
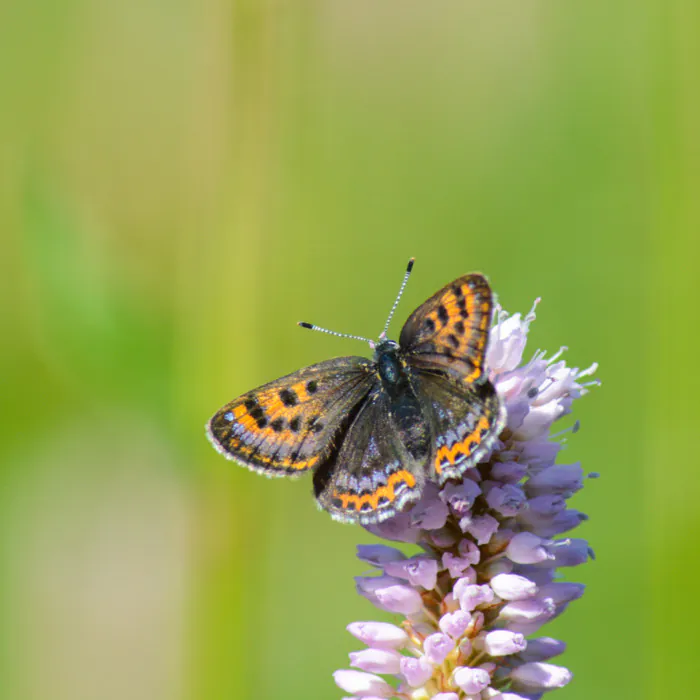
<point x="473" y="599"/>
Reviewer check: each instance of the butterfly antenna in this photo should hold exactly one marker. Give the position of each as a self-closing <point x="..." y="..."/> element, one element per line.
<point x="409" y="267"/>
<point x="313" y="327"/>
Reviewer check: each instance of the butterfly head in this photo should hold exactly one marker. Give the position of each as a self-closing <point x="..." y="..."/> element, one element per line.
<point x="385" y="346"/>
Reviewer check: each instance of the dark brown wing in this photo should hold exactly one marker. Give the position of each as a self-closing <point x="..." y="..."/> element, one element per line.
<point x="290" y="425"/>
<point x="448" y="333"/>
<point x="371" y="478"/>
<point x="465" y="422"/>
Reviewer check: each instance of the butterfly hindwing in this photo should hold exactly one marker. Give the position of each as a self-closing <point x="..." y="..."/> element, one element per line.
<point x="371" y="477"/>
<point x="290" y="425"/>
<point x="450" y="330"/>
<point x="466" y="422"/>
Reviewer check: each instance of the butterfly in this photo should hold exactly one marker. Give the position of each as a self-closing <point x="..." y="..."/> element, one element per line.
<point x="374" y="431"/>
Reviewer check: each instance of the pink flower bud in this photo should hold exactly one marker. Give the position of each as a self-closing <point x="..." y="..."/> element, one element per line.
<point x="512" y="587"/>
<point x="541" y="676"/>
<point x="360" y="683"/>
<point x="503" y="642"/>
<point x="471" y="680"/>
<point x="380" y="635"/>
<point x="376" y="660"/>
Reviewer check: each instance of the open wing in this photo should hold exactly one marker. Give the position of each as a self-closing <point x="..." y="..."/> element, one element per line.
<point x="290" y="425"/>
<point x="449" y="332"/>
<point x="371" y="478"/>
<point x="466" y="422"/>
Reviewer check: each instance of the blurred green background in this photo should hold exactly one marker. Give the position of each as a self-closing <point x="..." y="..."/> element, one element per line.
<point x="180" y="182"/>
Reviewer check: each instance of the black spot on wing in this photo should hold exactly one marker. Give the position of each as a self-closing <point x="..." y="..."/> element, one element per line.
<point x="256" y="413"/>
<point x="289" y="397"/>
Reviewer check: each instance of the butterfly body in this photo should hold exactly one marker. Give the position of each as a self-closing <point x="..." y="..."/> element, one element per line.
<point x="374" y="431"/>
<point x="401" y="401"/>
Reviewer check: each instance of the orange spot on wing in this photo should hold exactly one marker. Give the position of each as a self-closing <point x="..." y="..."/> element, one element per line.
<point x="387" y="491"/>
<point x="304" y="464"/>
<point x="470" y="298"/>
<point x="248" y="423"/>
<point x="298" y="464"/>
<point x="300" y="390"/>
<point x="237" y="448"/>
<point x="465" y="447"/>
<point x="271" y="404"/>
<point x="452" y="307"/>
<point x="473" y="375"/>
<point x="486" y="316"/>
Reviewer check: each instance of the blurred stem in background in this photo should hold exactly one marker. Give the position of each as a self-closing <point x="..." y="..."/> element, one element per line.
<point x="672" y="523"/>
<point x="219" y="305"/>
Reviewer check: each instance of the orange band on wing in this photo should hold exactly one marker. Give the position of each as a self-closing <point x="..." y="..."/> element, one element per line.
<point x="300" y="389"/>
<point x="473" y="375"/>
<point x="271" y="404"/>
<point x="466" y="447"/>
<point x="387" y="491"/>
<point x="237" y="448"/>
<point x="463" y="329"/>
<point x="249" y="424"/>
<point x="484" y="321"/>
<point x="486" y="318"/>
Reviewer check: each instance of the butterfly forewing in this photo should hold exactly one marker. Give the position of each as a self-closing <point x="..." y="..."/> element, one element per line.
<point x="371" y="477"/>
<point x="289" y="425"/>
<point x="449" y="332"/>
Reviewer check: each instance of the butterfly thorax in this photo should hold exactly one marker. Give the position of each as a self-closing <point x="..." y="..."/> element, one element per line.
<point x="390" y="368"/>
